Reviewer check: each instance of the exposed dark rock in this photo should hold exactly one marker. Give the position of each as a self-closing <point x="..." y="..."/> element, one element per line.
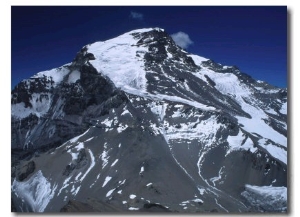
<point x="91" y="205"/>
<point x="211" y="82"/>
<point x="13" y="208"/>
<point x="157" y="42"/>
<point x="69" y="168"/>
<point x="81" y="159"/>
<point x="26" y="170"/>
<point x="153" y="207"/>
<point x="75" y="206"/>
<point x="77" y="164"/>
<point x="212" y="65"/>
<point x="91" y="90"/>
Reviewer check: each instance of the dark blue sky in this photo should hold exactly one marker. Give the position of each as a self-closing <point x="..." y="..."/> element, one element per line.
<point x="254" y="38"/>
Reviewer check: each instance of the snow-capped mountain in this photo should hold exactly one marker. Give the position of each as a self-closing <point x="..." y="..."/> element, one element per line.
<point x="136" y="123"/>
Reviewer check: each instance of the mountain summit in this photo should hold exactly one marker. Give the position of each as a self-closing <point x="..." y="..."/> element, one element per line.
<point x="136" y="123"/>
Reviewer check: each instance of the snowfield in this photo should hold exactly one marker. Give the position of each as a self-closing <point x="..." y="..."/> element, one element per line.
<point x="267" y="198"/>
<point x="36" y="191"/>
<point x="116" y="58"/>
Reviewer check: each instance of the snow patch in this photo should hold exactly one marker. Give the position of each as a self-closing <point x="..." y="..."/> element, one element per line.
<point x="114" y="163"/>
<point x="75" y="139"/>
<point x="142" y="170"/>
<point x="57" y="74"/>
<point x="40" y="102"/>
<point x="159" y="109"/>
<point x="162" y="97"/>
<point x="78" y="175"/>
<point x="108" y="123"/>
<point x="122" y="182"/>
<point x="200" y="130"/>
<point x="89" y="139"/>
<point x="121" y="128"/>
<point x="107" y="179"/>
<point x="65" y="185"/>
<point x="201" y="190"/>
<point x="271" y="111"/>
<point x="36" y="191"/>
<point x="126" y="112"/>
<point x="74" y="155"/>
<point x="91" y="165"/>
<point x="77" y="190"/>
<point x="110" y="192"/>
<point x="257" y="125"/>
<point x="283" y="109"/>
<point x="235" y="143"/>
<point x="133" y="208"/>
<point x="267" y="197"/>
<point x="275" y="151"/>
<point x="156" y="130"/>
<point x="132" y="196"/>
<point x="176" y="114"/>
<point x="198" y="59"/>
<point x="79" y="146"/>
<point x="104" y="156"/>
<point x="198" y="200"/>
<point x="74" y="76"/>
<point x="219" y="177"/>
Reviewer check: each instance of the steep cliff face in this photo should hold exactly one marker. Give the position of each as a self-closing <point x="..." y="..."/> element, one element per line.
<point x="137" y="123"/>
<point x="56" y="105"/>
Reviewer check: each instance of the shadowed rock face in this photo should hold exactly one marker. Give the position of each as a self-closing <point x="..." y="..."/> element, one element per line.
<point x="193" y="136"/>
<point x="153" y="207"/>
<point x="69" y="107"/>
<point x="91" y="205"/>
<point x="26" y="170"/>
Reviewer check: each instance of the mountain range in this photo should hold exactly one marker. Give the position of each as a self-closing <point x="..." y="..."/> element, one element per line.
<point x="138" y="124"/>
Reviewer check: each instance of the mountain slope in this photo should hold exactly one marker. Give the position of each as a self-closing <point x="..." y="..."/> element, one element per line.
<point x="136" y="121"/>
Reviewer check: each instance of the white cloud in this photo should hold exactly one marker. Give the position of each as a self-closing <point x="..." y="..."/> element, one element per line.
<point x="182" y="39"/>
<point x="137" y="16"/>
